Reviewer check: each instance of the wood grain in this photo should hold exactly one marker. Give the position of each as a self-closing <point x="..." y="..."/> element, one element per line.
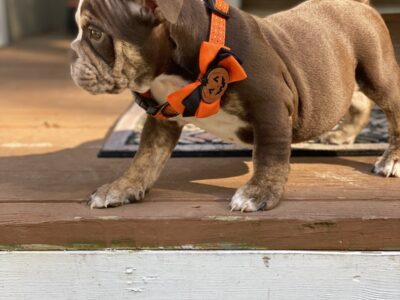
<point x="198" y="225"/>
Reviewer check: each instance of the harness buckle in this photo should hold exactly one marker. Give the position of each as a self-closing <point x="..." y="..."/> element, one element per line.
<point x="148" y="104"/>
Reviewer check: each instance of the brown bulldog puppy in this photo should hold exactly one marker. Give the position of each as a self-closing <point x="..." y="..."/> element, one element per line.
<point x="304" y="66"/>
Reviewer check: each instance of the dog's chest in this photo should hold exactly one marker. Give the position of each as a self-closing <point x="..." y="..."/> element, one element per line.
<point x="223" y="125"/>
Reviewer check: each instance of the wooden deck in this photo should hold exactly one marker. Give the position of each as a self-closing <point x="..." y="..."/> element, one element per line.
<point x="50" y="134"/>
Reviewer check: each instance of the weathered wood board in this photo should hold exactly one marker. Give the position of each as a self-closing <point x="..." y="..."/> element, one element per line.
<point x="191" y="275"/>
<point x="329" y="204"/>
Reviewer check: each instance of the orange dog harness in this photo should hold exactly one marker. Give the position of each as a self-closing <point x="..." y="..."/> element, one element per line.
<point x="218" y="68"/>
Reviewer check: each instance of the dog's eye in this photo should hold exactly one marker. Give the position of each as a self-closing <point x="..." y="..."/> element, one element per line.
<point x="95" y="34"/>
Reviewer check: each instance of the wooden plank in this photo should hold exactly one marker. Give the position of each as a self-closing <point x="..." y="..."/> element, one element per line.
<point x="199" y="225"/>
<point x="40" y="196"/>
<point x="191" y="275"/>
<point x="72" y="174"/>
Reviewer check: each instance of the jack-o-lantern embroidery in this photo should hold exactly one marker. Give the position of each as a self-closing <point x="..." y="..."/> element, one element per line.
<point x="215" y="85"/>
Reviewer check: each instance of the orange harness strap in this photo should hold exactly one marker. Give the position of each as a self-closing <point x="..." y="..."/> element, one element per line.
<point x="218" y="68"/>
<point x="218" y="23"/>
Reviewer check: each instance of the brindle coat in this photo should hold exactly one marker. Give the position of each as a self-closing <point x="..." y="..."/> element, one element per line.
<point x="304" y="65"/>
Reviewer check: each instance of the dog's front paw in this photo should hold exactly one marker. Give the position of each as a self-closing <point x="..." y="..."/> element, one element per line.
<point x="388" y="167"/>
<point x="118" y="193"/>
<point x="252" y="198"/>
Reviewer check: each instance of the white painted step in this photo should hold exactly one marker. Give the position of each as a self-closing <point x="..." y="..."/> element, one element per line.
<point x="199" y="275"/>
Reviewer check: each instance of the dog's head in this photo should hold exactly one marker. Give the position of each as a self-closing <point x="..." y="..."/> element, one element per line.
<point x="122" y="43"/>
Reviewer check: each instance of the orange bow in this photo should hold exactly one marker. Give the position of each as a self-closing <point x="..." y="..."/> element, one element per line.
<point x="202" y="98"/>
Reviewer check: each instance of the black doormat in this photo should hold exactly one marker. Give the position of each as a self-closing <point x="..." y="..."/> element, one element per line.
<point x="123" y="141"/>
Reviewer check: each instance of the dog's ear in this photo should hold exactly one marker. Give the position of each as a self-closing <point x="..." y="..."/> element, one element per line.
<point x="169" y="9"/>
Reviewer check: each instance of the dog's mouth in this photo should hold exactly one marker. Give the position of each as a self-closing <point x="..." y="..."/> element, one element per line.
<point x="88" y="77"/>
<point x="127" y="71"/>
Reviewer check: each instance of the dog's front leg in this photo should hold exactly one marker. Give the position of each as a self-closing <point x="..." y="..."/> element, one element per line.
<point x="271" y="158"/>
<point x="159" y="139"/>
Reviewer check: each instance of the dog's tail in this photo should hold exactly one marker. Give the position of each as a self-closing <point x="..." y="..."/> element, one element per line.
<point x="368" y="2"/>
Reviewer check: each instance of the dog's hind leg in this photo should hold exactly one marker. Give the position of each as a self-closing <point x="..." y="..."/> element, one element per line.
<point x="378" y="74"/>
<point x="356" y="119"/>
<point x="389" y="100"/>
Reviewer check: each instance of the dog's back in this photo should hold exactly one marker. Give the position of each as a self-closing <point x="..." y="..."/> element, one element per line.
<point x="324" y="39"/>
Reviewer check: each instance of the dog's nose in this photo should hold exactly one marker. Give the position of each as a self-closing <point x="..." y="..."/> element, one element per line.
<point x="73" y="56"/>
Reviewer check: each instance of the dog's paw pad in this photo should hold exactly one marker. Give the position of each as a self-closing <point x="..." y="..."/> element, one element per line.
<point x="387" y="167"/>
